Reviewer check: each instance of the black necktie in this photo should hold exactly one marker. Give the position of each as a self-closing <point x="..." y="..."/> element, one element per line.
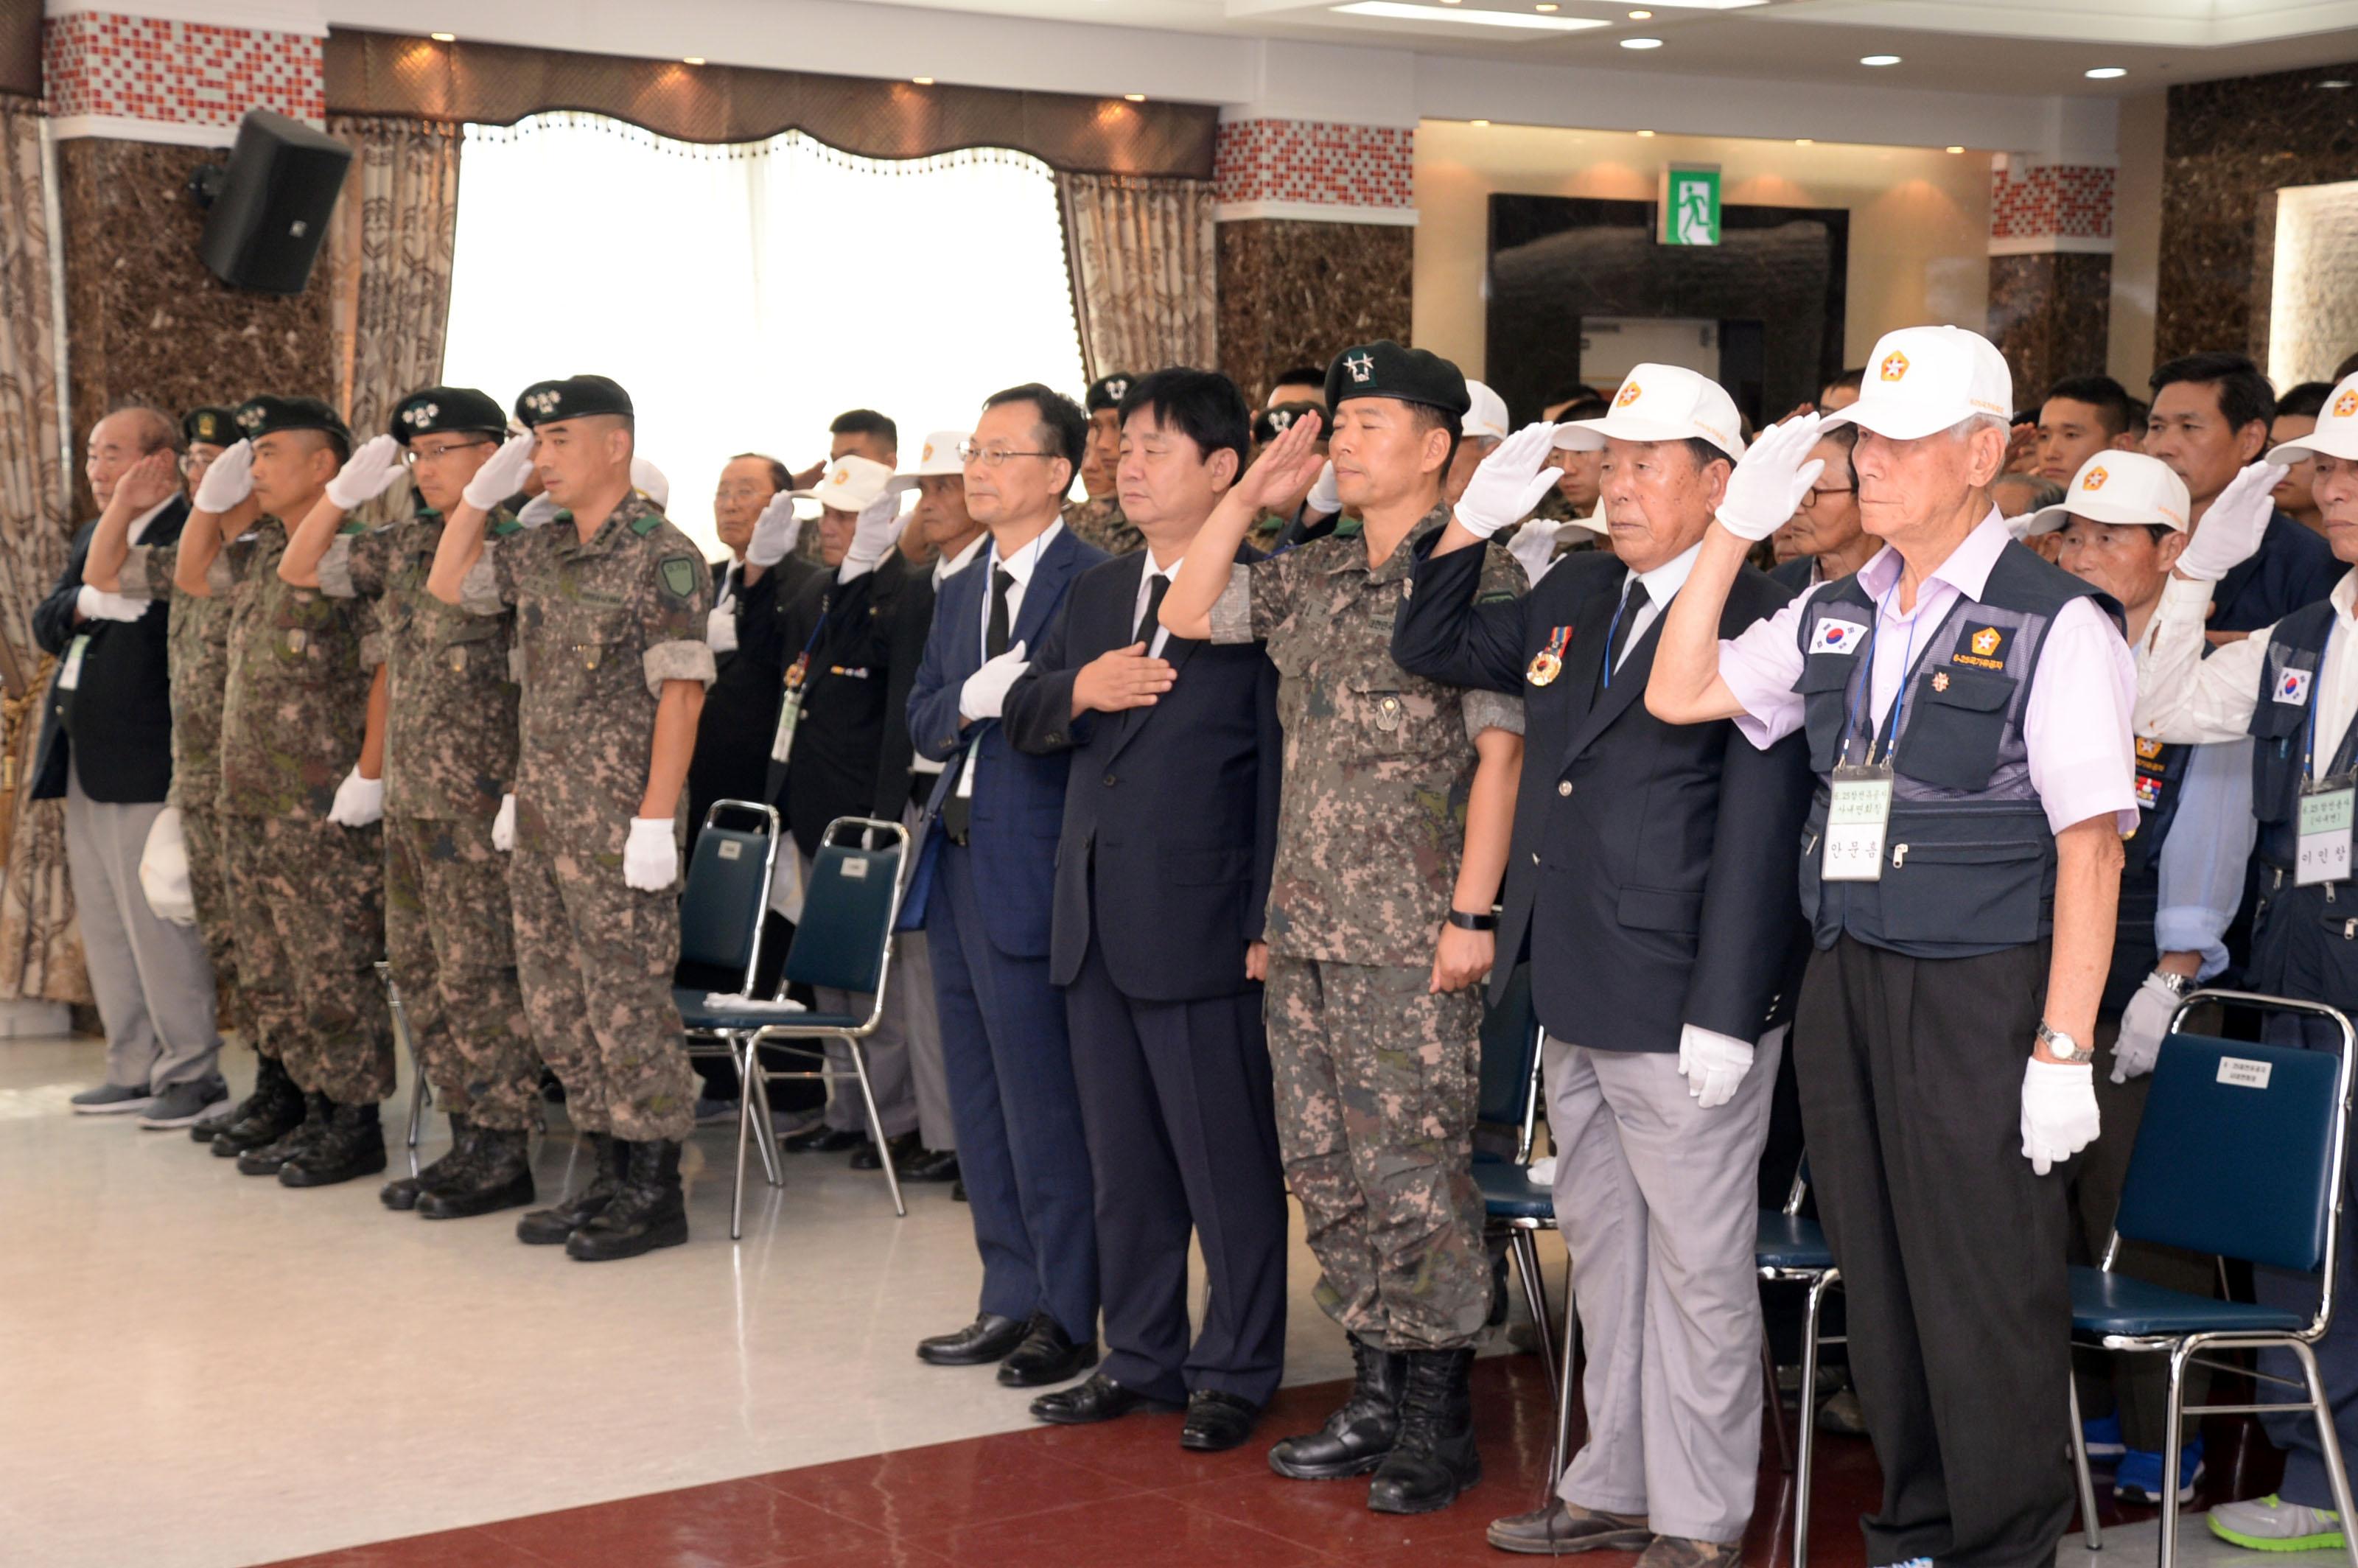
<point x="994" y="641"/>
<point x="1625" y="625"/>
<point x="1157" y="585"/>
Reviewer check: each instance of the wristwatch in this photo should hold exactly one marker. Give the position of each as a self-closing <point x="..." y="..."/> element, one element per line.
<point x="1465" y="922"/>
<point x="2179" y="984"/>
<point x="2061" y="1046"/>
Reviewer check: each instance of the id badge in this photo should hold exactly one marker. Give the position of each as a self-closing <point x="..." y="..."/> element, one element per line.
<point x="1856" y="820"/>
<point x="2324" y="845"/>
<point x="790" y="713"/>
<point x="70" y="678"/>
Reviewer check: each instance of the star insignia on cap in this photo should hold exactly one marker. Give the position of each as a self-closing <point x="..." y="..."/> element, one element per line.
<point x="928" y="454"/>
<point x="2346" y="405"/>
<point x="840" y="476"/>
<point x="1630" y="394"/>
<point x="249" y="418"/>
<point x="1361" y="367"/>
<point x="1117" y="389"/>
<point x="2095" y="480"/>
<point x="1894" y="365"/>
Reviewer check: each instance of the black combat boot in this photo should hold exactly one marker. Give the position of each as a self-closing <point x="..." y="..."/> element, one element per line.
<point x="1434" y="1458"/>
<point x="273" y="1110"/>
<point x="497" y="1175"/>
<point x="353" y="1145"/>
<point x="646" y="1213"/>
<point x="1355" y="1437"/>
<point x="550" y="1226"/>
<point x="402" y="1192"/>
<point x="265" y="1159"/>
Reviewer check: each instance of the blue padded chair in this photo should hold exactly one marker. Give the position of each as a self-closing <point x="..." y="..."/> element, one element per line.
<point x="720" y="919"/>
<point x="1792" y="1249"/>
<point x="2242" y="1153"/>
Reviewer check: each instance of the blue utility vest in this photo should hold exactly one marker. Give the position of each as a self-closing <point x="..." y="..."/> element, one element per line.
<point x="2161" y="774"/>
<point x="2304" y="939"/>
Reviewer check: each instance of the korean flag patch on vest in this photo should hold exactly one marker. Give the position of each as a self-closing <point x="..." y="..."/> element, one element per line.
<point x="2292" y="687"/>
<point x="1833" y="636"/>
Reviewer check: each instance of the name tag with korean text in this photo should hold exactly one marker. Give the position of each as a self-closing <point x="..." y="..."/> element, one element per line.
<point x="2323" y="854"/>
<point x="1857" y="818"/>
<point x="790" y="713"/>
<point x="69" y="676"/>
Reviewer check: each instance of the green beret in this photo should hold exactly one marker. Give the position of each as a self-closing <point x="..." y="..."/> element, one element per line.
<point x="1271" y="422"/>
<point x="1107" y="390"/>
<point x="1384" y="368"/>
<point x="267" y="416"/>
<point x="574" y="397"/>
<point x="211" y="424"/>
<point x="441" y="410"/>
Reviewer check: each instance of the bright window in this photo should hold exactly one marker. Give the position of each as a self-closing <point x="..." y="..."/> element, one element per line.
<point x="745" y="295"/>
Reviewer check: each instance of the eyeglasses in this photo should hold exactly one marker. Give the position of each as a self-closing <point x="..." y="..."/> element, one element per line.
<point x="1810" y="497"/>
<point x="992" y="457"/>
<point x="411" y="457"/>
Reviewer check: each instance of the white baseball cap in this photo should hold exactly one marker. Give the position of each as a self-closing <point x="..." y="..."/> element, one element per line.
<point x="850" y="484"/>
<point x="1923" y="380"/>
<point x="1666" y="403"/>
<point x="2336" y="435"/>
<point x="2125" y="488"/>
<point x="1485" y="417"/>
<point x="649" y="482"/>
<point x="937" y="455"/>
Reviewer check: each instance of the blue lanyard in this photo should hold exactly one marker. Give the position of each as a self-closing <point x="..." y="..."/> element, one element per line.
<point x="1867" y="686"/>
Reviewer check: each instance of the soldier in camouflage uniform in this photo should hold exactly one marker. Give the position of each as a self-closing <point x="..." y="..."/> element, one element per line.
<point x="448" y="729"/>
<point x="610" y="603"/>
<point x="305" y="893"/>
<point x="1392" y="836"/>
<point x="1098" y="520"/>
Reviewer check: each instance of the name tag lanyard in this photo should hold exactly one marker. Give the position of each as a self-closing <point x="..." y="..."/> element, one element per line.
<point x="1858" y="813"/>
<point x="790" y="709"/>
<point x="2323" y="842"/>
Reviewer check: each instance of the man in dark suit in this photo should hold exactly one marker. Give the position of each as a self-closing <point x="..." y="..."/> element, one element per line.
<point x="996" y="815"/>
<point x="105" y="749"/>
<point x="1161" y="880"/>
<point x="1650" y="884"/>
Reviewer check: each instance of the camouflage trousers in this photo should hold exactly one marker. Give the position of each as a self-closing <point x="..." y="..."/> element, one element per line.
<point x="208" y="887"/>
<point x="1376" y="1084"/>
<point x="306" y="911"/>
<point x="596" y="958"/>
<point x="449" y="942"/>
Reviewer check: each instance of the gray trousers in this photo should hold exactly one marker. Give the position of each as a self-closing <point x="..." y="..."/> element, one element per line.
<point x="1659" y="1204"/>
<point x="888" y="1051"/>
<point x="154" y="984"/>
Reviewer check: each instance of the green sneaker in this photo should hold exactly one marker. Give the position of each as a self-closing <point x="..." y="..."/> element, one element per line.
<point x="2271" y="1524"/>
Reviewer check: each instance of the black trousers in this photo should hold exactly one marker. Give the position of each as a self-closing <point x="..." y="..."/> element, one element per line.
<point x="1953" y="1252"/>
<point x="1181" y="1118"/>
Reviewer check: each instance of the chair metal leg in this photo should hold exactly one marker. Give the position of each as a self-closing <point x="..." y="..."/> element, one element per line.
<point x="1776" y="1407"/>
<point x="876" y="1124"/>
<point x="1523" y="1247"/>
<point x="2169" y="1448"/>
<point x="2329" y="1443"/>
<point x="753" y="1089"/>
<point x="1806" y="1438"/>
<point x="744" y="1136"/>
<point x="2092" y="1530"/>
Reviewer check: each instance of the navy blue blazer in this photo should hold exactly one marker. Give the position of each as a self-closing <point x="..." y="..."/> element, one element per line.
<point x="1019" y="801"/>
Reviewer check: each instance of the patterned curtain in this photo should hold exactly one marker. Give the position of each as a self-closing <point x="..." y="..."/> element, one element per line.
<point x="40" y="950"/>
<point x="395" y="230"/>
<point x="1142" y="259"/>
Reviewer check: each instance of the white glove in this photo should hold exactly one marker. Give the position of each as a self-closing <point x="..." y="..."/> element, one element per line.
<point x="503" y="826"/>
<point x="1713" y="1065"/>
<point x="1509" y="481"/>
<point x="97" y="604"/>
<point x="358" y="801"/>
<point x="774" y="533"/>
<point x="1770" y="480"/>
<point x="2143" y="1023"/>
<point x="985" y="692"/>
<point x="540" y="509"/>
<point x="720" y="629"/>
<point x="164" y="870"/>
<point x="229" y="480"/>
<point x="650" y="859"/>
<point x="2229" y="533"/>
<point x="1323" y="498"/>
<point x="503" y="475"/>
<point x="2059" y="1111"/>
<point x="1534" y="545"/>
<point x="872" y="537"/>
<point x="367" y="473"/>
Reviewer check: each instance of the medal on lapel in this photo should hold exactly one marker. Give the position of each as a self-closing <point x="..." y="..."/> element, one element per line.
<point x="1548" y="663"/>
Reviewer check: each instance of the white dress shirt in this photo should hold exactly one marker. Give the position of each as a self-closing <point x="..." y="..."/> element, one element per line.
<point x="1018" y="567"/>
<point x="944" y="568"/>
<point x="1661" y="583"/>
<point x="2182" y="696"/>
<point x="1160" y="634"/>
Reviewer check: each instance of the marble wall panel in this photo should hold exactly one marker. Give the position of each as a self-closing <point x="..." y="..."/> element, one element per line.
<point x="1298" y="293"/>
<point x="2050" y="316"/>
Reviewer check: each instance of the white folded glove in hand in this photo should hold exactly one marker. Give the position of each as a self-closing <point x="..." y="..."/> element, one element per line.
<point x="367" y="473"/>
<point x="2143" y="1023"/>
<point x="1770" y="480"/>
<point x="720" y="629"/>
<point x="229" y="480"/>
<point x="358" y="801"/>
<point x="540" y="509"/>
<point x="503" y="475"/>
<point x="1509" y="481"/>
<point x="872" y="537"/>
<point x="985" y="691"/>
<point x="774" y="533"/>
<point x="2059" y="1111"/>
<point x="1713" y="1065"/>
<point x="1323" y="498"/>
<point x="503" y="826"/>
<point x="650" y="859"/>
<point x="2229" y="533"/>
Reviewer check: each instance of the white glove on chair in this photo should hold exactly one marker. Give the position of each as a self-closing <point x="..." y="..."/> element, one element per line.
<point x="367" y="473"/>
<point x="1713" y="1065"/>
<point x="1770" y="480"/>
<point x="985" y="692"/>
<point x="229" y="480"/>
<point x="1509" y="481"/>
<point x="2143" y="1023"/>
<point x="503" y="826"/>
<point x="2229" y="533"/>
<point x="1323" y="498"/>
<point x="774" y="533"/>
<point x="503" y="475"/>
<point x="358" y="801"/>
<point x="650" y="859"/>
<point x="872" y="537"/>
<point x="2059" y="1111"/>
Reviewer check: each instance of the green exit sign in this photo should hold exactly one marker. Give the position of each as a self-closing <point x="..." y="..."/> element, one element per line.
<point x="1690" y="205"/>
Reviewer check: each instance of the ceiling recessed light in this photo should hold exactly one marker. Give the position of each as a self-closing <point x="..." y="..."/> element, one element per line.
<point x="1645" y="133"/>
<point x="1956" y="149"/>
<point x="1878" y="60"/>
<point x="1477" y="122"/>
<point x="1547" y="6"/>
<point x="1804" y="141"/>
<point x="1641" y="43"/>
<point x="2107" y="72"/>
<point x="444" y="38"/>
<point x="2333" y="83"/>
<point x="1401" y="11"/>
<point x="1642" y="16"/>
<point x="691" y="60"/>
<point x="1133" y="97"/>
<point x="923" y="81"/>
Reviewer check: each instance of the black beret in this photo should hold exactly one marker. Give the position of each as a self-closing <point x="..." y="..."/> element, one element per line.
<point x="267" y="416"/>
<point x="440" y="410"/>
<point x="574" y="397"/>
<point x="1107" y="390"/>
<point x="1271" y="422"/>
<point x="1384" y="368"/>
<point x="211" y="424"/>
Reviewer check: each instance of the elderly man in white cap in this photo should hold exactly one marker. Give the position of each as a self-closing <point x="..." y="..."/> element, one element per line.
<point x="1967" y="712"/>
<point x="2293" y="688"/>
<point x="1484" y="427"/>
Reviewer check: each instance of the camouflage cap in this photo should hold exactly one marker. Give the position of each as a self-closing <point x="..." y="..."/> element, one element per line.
<point x="1107" y="390"/>
<point x="1384" y="368"/>
<point x="438" y="410"/>
<point x="572" y="398"/>
<point x="211" y="426"/>
<point x="267" y="416"/>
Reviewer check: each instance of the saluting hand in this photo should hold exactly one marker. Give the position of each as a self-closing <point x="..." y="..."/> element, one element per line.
<point x="229" y="480"/>
<point x="367" y="473"/>
<point x="150" y="481"/>
<point x="1462" y="959"/>
<point x="1285" y="467"/>
<point x="1121" y="679"/>
<point x="1509" y="481"/>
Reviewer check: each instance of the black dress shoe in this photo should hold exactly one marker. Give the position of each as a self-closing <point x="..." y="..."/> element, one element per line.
<point x="929" y="1165"/>
<point x="958" y="1190"/>
<point x="1099" y="1398"/>
<point x="1217" y="1421"/>
<point x="988" y="1338"/>
<point x="905" y="1149"/>
<point x="1047" y="1355"/>
<point x="821" y="1140"/>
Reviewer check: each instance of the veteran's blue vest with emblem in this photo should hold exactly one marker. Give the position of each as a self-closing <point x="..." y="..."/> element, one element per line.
<point x="2161" y="774"/>
<point x="2280" y="736"/>
<point x="1969" y="861"/>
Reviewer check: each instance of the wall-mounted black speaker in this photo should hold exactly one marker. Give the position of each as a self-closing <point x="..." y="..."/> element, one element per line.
<point x="267" y="223"/>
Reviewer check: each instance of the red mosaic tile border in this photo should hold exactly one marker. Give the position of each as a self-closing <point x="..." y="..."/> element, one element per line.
<point x="188" y="73"/>
<point x="1317" y="161"/>
<point x="2058" y="201"/>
